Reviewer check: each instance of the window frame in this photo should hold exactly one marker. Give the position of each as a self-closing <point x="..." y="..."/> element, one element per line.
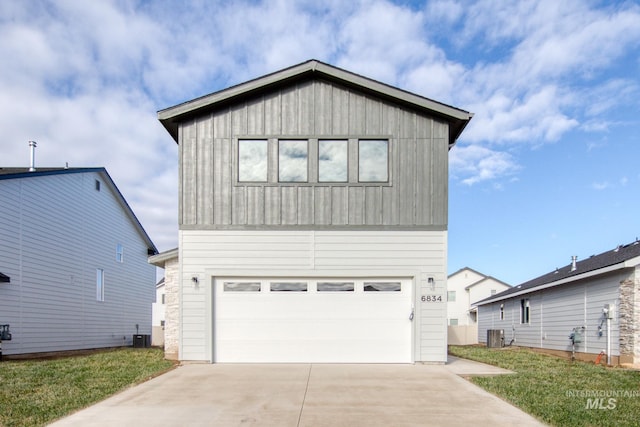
<point x="313" y="163"/>
<point x="279" y="160"/>
<point x="346" y="180"/>
<point x="388" y="161"/>
<point x="100" y="284"/>
<point x="238" y="178"/>
<point x="120" y="253"/>
<point x="525" y="311"/>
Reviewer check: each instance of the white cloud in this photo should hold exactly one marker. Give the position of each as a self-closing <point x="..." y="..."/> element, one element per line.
<point x="84" y="79"/>
<point x="473" y="164"/>
<point x="599" y="186"/>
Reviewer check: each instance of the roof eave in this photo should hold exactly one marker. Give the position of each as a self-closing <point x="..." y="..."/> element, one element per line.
<point x="585" y="275"/>
<point x="170" y="117"/>
<point x="160" y="259"/>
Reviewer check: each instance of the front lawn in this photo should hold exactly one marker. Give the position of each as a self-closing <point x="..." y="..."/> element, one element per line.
<point x="558" y="391"/>
<point x="37" y="392"/>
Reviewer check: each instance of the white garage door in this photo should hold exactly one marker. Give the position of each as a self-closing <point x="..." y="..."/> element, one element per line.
<point x="312" y="321"/>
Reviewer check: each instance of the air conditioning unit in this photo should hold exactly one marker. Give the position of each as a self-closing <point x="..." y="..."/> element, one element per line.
<point x="495" y="338"/>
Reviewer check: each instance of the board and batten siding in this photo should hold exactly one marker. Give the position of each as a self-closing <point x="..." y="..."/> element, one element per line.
<point x="56" y="230"/>
<point x="206" y="254"/>
<point x="415" y="196"/>
<point x="555" y="312"/>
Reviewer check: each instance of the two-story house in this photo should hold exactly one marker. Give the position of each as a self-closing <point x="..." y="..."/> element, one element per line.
<point x="74" y="256"/>
<point x="312" y="221"/>
<point x="464" y="288"/>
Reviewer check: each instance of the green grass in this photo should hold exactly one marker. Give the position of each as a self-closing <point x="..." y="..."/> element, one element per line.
<point x="553" y="389"/>
<point x="37" y="392"/>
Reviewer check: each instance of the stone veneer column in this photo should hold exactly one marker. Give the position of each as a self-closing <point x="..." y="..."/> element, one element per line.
<point x="630" y="318"/>
<point x="172" y="310"/>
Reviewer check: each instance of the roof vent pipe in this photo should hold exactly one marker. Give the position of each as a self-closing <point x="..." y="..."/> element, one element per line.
<point x="573" y="263"/>
<point x="32" y="160"/>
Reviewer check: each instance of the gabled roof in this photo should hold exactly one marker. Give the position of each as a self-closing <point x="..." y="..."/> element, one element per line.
<point x="484" y="279"/>
<point x="15" y="173"/>
<point x="4" y="278"/>
<point x="624" y="256"/>
<point x="172" y="116"/>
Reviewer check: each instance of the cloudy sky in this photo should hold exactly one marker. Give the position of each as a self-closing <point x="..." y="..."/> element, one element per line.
<point x="548" y="167"/>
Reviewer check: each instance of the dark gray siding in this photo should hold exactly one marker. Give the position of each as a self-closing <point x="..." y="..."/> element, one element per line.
<point x="414" y="197"/>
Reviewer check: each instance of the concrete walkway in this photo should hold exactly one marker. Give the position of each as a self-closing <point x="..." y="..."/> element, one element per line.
<point x="296" y="395"/>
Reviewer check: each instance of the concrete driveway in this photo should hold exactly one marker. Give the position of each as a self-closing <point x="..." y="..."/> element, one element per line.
<point x="296" y="395"/>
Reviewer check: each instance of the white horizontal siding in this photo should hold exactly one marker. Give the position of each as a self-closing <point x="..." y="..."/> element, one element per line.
<point x="58" y="231"/>
<point x="411" y="254"/>
<point x="555" y="312"/>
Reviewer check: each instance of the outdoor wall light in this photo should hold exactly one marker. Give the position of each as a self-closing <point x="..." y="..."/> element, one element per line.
<point x="194" y="279"/>
<point x="431" y="282"/>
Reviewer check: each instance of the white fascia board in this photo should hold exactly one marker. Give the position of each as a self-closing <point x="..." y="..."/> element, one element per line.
<point x="160" y="259"/>
<point x="586" y="275"/>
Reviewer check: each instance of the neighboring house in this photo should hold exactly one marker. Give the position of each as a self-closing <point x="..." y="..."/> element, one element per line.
<point x="158" y="315"/>
<point x="312" y="221"/>
<point x="597" y="300"/>
<point x="464" y="288"/>
<point x="75" y="260"/>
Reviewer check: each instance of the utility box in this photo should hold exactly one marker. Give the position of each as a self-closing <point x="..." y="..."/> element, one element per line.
<point x="495" y="338"/>
<point x="141" y="341"/>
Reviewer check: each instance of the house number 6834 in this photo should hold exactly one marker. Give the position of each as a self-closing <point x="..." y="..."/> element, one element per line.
<point x="431" y="298"/>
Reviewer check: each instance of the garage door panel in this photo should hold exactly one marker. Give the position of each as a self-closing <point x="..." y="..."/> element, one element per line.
<point x="348" y="326"/>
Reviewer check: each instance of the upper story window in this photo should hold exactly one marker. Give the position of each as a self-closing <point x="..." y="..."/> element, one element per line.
<point x="373" y="160"/>
<point x="293" y="160"/>
<point x="312" y="161"/>
<point x="119" y="253"/>
<point x="333" y="160"/>
<point x="451" y="296"/>
<point x="253" y="160"/>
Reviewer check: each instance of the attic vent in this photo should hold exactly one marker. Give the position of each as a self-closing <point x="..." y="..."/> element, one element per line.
<point x="97" y="185"/>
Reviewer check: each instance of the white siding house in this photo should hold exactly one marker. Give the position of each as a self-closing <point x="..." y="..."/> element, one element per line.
<point x="596" y="299"/>
<point x="158" y="311"/>
<point x="464" y="288"/>
<point x="313" y="221"/>
<point x="75" y="260"/>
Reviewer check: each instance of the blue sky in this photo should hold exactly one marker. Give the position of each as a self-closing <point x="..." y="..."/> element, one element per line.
<point x="548" y="167"/>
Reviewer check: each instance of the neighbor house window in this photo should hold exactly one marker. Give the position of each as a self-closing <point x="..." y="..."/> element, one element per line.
<point x="99" y="284"/>
<point x="501" y="311"/>
<point x="373" y="160"/>
<point x="332" y="160"/>
<point x="293" y="158"/>
<point x="164" y="300"/>
<point x="252" y="160"/>
<point x="453" y="322"/>
<point x="119" y="253"/>
<point x="451" y="296"/>
<point x="524" y="310"/>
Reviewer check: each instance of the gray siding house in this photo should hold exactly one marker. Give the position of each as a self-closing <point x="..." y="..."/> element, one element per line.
<point x="312" y="221"/>
<point x="73" y="258"/>
<point x="596" y="299"/>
